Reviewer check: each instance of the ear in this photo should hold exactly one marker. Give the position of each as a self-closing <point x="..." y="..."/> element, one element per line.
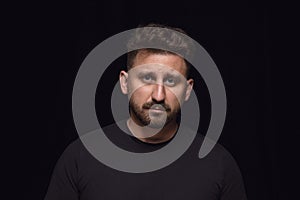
<point x="123" y="77"/>
<point x="189" y="89"/>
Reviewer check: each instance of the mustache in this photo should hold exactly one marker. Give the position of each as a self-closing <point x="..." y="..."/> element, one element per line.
<point x="148" y="105"/>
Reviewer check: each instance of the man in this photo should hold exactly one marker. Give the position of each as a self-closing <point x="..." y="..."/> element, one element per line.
<point x="157" y="84"/>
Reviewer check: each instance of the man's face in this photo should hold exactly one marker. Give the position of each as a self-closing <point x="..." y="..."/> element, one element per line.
<point x="156" y="86"/>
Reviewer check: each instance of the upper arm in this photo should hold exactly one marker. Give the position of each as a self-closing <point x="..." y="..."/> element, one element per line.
<point x="232" y="184"/>
<point x="63" y="184"/>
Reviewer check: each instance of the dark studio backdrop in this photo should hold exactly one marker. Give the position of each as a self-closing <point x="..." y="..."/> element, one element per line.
<point x="235" y="34"/>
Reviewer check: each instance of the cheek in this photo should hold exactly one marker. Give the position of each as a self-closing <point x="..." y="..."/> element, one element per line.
<point x="141" y="94"/>
<point x="176" y="95"/>
<point x="172" y="100"/>
<point x="134" y="84"/>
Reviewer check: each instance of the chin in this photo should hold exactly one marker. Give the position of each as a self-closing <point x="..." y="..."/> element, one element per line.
<point x="156" y="125"/>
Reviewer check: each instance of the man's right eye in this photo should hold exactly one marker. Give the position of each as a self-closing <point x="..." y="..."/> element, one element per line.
<point x="148" y="78"/>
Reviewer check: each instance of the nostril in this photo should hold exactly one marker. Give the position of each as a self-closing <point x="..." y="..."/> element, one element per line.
<point x="158" y="93"/>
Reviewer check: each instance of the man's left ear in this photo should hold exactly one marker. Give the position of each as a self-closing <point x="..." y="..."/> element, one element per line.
<point x="189" y="89"/>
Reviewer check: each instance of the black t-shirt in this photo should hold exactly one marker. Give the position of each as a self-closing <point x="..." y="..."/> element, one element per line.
<point x="78" y="175"/>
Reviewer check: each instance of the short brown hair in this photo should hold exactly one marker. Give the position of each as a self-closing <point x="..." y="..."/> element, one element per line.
<point x="164" y="37"/>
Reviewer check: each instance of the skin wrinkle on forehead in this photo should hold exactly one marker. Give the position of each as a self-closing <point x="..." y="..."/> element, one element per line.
<point x="178" y="64"/>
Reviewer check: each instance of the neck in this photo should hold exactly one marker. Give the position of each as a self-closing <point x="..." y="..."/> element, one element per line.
<point x="152" y="135"/>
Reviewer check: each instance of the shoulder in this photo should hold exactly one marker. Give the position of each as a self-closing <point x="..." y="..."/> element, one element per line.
<point x="202" y="143"/>
<point x="73" y="153"/>
<point x="74" y="148"/>
<point x="218" y="158"/>
<point x="220" y="155"/>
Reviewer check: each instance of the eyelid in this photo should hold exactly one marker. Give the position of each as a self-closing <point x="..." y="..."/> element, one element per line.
<point x="175" y="78"/>
<point x="151" y="78"/>
<point x="170" y="84"/>
<point x="142" y="77"/>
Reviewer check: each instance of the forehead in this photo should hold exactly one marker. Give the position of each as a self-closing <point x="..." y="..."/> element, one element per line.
<point x="173" y="61"/>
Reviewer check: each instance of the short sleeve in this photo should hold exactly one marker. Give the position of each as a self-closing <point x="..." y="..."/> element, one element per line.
<point x="63" y="184"/>
<point x="232" y="184"/>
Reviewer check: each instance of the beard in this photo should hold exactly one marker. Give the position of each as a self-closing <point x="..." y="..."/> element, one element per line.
<point x="142" y="114"/>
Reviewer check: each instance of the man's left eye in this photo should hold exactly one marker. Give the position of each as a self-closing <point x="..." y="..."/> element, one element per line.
<point x="170" y="81"/>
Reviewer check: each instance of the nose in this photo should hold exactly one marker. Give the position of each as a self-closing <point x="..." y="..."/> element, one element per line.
<point x="158" y="93"/>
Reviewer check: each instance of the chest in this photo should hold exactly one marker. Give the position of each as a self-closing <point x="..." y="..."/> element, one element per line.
<point x="177" y="181"/>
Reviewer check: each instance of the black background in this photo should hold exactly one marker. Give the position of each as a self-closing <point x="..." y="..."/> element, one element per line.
<point x="52" y="39"/>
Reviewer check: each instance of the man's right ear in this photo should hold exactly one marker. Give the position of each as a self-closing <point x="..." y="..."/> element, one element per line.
<point x="123" y="82"/>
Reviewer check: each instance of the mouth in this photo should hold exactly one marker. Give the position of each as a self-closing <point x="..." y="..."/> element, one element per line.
<point x="156" y="111"/>
<point x="157" y="107"/>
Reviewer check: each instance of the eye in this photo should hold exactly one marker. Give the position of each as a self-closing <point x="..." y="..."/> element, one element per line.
<point x="170" y="81"/>
<point x="148" y="78"/>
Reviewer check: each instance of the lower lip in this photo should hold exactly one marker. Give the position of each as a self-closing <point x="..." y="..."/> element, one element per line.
<point x="156" y="111"/>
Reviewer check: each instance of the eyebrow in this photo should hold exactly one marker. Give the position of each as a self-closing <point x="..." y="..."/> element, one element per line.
<point x="146" y="73"/>
<point x="175" y="75"/>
